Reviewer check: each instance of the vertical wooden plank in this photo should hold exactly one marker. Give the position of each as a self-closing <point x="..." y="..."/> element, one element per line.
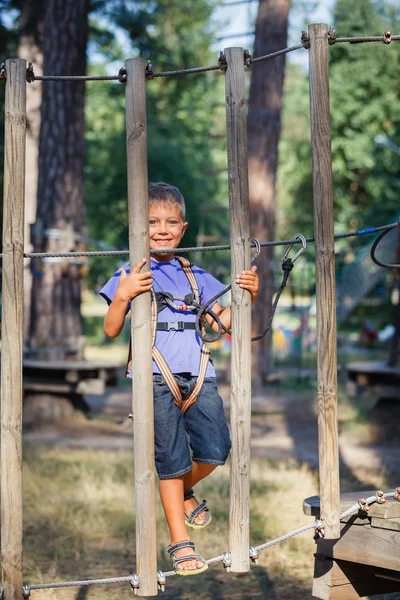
<point x="325" y="280"/>
<point x="12" y="328"/>
<point x="236" y="123"/>
<point x="142" y="380"/>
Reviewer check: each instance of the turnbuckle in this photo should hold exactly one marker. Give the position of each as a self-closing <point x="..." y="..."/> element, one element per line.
<point x="300" y="238"/>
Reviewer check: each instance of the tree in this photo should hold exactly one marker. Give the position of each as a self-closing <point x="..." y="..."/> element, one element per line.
<point x="55" y="324"/>
<point x="264" y="126"/>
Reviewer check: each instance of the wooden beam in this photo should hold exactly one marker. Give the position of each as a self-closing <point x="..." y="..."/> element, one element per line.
<point x="236" y="123"/>
<point x="142" y="380"/>
<point x="12" y="329"/>
<point x="325" y="280"/>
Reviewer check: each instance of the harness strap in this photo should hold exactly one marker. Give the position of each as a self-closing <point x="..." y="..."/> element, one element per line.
<point x="183" y="403"/>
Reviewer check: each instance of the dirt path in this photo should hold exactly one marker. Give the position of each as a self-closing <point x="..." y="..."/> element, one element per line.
<point x="284" y="427"/>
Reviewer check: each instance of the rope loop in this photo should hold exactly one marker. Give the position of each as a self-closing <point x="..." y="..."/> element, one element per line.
<point x="298" y="237"/>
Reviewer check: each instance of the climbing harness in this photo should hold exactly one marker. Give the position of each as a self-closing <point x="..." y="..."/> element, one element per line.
<point x="192" y="302"/>
<point x="161" y="300"/>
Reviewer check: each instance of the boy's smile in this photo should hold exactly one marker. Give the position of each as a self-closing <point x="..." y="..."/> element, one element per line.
<point x="166" y="229"/>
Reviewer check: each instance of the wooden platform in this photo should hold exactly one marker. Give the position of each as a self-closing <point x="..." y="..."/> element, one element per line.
<point x="374" y="378"/>
<point x="69" y="377"/>
<point x="366" y="558"/>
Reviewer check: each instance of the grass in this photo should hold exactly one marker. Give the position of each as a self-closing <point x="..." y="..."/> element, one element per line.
<point x="79" y="523"/>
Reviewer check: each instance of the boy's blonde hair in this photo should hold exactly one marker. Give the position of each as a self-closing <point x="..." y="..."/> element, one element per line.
<point x="163" y="193"/>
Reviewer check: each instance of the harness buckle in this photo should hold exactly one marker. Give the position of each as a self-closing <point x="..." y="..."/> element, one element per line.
<point x="176" y="326"/>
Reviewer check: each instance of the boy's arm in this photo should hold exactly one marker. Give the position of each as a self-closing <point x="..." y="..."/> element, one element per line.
<point x="129" y="287"/>
<point x="248" y="280"/>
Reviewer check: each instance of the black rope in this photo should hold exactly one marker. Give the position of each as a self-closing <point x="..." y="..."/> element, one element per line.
<point x="373" y="255"/>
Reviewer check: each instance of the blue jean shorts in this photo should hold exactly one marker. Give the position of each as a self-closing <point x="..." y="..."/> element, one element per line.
<point x="200" y="434"/>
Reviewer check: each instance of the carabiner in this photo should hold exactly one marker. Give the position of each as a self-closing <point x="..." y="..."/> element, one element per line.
<point x="300" y="238"/>
<point x="256" y="243"/>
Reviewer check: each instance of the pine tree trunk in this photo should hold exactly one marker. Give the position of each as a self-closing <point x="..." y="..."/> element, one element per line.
<point x="264" y="126"/>
<point x="30" y="42"/>
<point x="55" y="327"/>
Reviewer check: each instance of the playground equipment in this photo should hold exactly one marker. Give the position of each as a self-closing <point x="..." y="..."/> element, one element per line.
<point x="146" y="580"/>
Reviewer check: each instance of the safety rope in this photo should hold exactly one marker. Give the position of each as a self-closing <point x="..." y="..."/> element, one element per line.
<point x="309" y="240"/>
<point x="361" y="506"/>
<point x="373" y="251"/>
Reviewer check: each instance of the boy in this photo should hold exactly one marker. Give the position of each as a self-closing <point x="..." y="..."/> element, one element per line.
<point x="203" y="423"/>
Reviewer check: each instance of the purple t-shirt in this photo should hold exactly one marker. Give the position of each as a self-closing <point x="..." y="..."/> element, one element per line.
<point x="181" y="349"/>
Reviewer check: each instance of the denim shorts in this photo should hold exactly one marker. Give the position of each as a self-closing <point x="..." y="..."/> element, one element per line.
<point x="200" y="434"/>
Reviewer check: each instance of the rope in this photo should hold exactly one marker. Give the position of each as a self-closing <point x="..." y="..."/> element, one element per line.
<point x="76" y="78"/>
<point x="277" y="53"/>
<point x="184" y="71"/>
<point x="310" y="240"/>
<point x="360" y="40"/>
<point x="373" y="250"/>
<point x="85" y="582"/>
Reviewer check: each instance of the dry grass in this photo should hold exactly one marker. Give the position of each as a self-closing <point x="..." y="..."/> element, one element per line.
<point x="79" y="523"/>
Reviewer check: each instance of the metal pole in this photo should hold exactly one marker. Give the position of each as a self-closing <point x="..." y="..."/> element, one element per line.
<point x="12" y="329"/>
<point x="325" y="280"/>
<point x="142" y="381"/>
<point x="236" y="123"/>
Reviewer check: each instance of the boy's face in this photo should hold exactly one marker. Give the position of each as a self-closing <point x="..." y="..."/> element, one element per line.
<point x="166" y="228"/>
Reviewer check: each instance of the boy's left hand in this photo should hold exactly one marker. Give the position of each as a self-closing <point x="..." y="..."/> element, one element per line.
<point x="248" y="280"/>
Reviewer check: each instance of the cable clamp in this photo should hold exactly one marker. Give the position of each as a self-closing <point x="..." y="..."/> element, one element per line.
<point x="387" y="37"/>
<point x="161" y="581"/>
<point x="319" y="529"/>
<point x="253" y="555"/>
<point x="331" y="36"/>
<point x="149" y="70"/>
<point x="3" y="72"/>
<point x="227" y="561"/>
<point x="380" y="497"/>
<point x="26" y="591"/>
<point x="1" y="593"/>
<point x="305" y="40"/>
<point x="300" y="238"/>
<point x="397" y="493"/>
<point x="223" y="64"/>
<point x="362" y="503"/>
<point x="122" y="75"/>
<point x="30" y="75"/>
<point x="135" y="583"/>
<point x="256" y="243"/>
<point x="247" y="59"/>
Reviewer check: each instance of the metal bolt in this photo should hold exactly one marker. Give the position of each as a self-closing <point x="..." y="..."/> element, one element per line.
<point x="135" y="584"/>
<point x="161" y="580"/>
<point x="381" y="498"/>
<point x="387" y="37"/>
<point x="227" y="561"/>
<point x="254" y="555"/>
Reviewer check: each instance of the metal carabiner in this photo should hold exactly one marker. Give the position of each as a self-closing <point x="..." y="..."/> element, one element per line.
<point x="256" y="243"/>
<point x="297" y="237"/>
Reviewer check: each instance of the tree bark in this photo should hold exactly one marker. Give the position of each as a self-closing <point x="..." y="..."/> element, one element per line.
<point x="56" y="327"/>
<point x="30" y="42"/>
<point x="264" y="126"/>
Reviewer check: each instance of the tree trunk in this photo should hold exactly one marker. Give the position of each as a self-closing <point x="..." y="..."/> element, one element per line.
<point x="55" y="327"/>
<point x="30" y="41"/>
<point x="264" y="126"/>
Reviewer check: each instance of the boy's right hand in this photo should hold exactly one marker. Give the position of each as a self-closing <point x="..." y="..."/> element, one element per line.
<point x="135" y="283"/>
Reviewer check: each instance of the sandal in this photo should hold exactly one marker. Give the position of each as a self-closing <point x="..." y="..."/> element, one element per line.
<point x="201" y="507"/>
<point x="177" y="560"/>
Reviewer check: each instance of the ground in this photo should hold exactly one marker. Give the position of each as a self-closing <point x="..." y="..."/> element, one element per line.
<point x="83" y="468"/>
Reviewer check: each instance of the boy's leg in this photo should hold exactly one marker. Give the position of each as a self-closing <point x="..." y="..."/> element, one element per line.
<point x="171" y="493"/>
<point x="199" y="471"/>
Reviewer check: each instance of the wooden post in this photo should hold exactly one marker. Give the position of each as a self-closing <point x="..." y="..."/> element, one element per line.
<point x="142" y="380"/>
<point x="325" y="280"/>
<point x="236" y="123"/>
<point x="12" y="329"/>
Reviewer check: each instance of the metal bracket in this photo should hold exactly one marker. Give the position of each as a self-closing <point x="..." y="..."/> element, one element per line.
<point x="26" y="591"/>
<point x="30" y="75"/>
<point x="305" y="40"/>
<point x="227" y="561"/>
<point x="253" y="555"/>
<point x="149" y="70"/>
<point x="223" y="65"/>
<point x="247" y="58"/>
<point x="135" y="583"/>
<point x="332" y="36"/>
<point x="161" y="581"/>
